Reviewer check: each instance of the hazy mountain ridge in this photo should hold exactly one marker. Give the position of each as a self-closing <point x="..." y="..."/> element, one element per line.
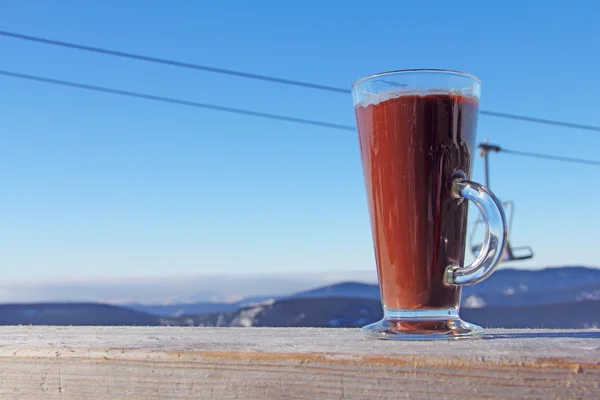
<point x="293" y="312"/>
<point x="171" y="290"/>
<point x="315" y="312"/>
<point x="175" y="310"/>
<point x="537" y="280"/>
<point x="347" y="312"/>
<point x="510" y="298"/>
<point x="518" y="299"/>
<point x="73" y="314"/>
<point x="342" y="289"/>
<point x="506" y="287"/>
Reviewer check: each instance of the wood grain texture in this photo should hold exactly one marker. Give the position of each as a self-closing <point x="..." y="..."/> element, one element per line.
<point x="286" y="363"/>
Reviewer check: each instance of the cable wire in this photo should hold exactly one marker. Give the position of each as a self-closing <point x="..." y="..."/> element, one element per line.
<point x="258" y="114"/>
<point x="268" y="78"/>
<point x="551" y="157"/>
<point x="177" y="101"/>
<point x="174" y="63"/>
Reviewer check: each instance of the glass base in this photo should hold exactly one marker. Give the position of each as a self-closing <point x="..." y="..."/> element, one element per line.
<point x="422" y="325"/>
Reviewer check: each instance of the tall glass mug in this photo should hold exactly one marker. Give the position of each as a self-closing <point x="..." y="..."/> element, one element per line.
<point x="417" y="132"/>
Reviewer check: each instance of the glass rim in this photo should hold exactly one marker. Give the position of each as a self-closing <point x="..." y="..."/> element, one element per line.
<point x="418" y="70"/>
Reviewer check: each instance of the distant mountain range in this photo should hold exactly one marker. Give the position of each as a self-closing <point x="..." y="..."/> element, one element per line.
<point x="343" y="289"/>
<point x="506" y="287"/>
<point x="73" y="314"/>
<point x="174" y="310"/>
<point x="355" y="312"/>
<point x="567" y="297"/>
<point x="477" y="299"/>
<point x="171" y="289"/>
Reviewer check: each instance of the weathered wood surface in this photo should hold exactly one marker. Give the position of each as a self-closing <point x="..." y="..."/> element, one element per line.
<point x="271" y="363"/>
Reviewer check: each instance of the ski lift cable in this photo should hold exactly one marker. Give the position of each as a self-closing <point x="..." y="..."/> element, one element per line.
<point x="262" y="77"/>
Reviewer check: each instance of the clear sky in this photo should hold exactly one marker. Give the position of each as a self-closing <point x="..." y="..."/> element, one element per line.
<point x="94" y="184"/>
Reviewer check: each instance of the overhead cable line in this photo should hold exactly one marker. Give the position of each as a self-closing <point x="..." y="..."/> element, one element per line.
<point x="487" y="148"/>
<point x="177" y="101"/>
<point x="268" y="78"/>
<point x="174" y="63"/>
<point x="551" y="157"/>
<point x="323" y="124"/>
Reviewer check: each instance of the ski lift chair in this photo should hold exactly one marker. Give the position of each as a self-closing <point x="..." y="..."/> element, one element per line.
<point x="511" y="253"/>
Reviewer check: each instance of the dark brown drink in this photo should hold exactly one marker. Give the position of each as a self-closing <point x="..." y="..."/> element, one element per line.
<point x="411" y="147"/>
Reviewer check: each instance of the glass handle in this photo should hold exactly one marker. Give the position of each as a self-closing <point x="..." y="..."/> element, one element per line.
<point x="496" y="234"/>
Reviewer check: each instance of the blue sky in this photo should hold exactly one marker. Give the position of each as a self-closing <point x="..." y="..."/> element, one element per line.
<point x="101" y="185"/>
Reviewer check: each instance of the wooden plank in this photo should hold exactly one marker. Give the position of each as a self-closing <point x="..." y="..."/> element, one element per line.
<point x="285" y="363"/>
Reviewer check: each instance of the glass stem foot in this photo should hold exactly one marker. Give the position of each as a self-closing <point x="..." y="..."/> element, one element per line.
<point x="422" y="325"/>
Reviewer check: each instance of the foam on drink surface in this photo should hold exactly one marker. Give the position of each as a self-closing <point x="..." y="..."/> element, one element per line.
<point x="372" y="99"/>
